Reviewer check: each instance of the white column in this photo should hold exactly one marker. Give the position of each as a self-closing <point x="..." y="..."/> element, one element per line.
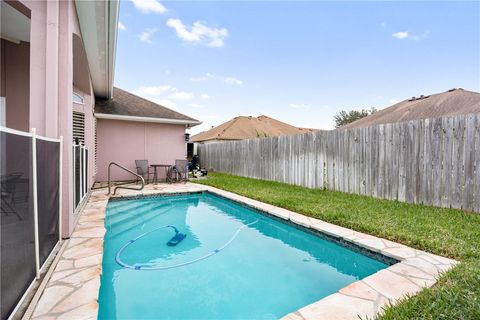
<point x="35" y="202"/>
<point x="60" y="183"/>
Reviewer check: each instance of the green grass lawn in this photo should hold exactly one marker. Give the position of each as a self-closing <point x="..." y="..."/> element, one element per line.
<point x="446" y="232"/>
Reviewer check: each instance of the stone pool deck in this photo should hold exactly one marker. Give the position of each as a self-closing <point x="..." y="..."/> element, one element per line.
<point x="71" y="291"/>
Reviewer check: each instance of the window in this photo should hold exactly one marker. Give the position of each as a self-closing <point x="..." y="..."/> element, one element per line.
<point x="77" y="98"/>
<point x="79" y="127"/>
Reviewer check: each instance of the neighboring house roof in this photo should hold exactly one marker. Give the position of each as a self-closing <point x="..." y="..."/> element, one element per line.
<point x="127" y="106"/>
<point x="242" y="127"/>
<point x="449" y="103"/>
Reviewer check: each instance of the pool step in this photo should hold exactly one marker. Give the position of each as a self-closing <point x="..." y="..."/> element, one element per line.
<point x="133" y="212"/>
<point x="123" y="227"/>
<point x="127" y="211"/>
<point x="125" y="206"/>
<point x="139" y="213"/>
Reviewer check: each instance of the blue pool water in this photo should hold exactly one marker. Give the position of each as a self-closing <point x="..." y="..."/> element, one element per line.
<point x="268" y="270"/>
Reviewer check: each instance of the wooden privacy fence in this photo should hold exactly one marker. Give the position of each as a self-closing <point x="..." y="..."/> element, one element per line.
<point x="432" y="161"/>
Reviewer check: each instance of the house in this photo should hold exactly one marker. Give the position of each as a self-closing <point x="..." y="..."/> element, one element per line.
<point x="240" y="128"/>
<point x="59" y="113"/>
<point x="57" y="57"/>
<point x="449" y="103"/>
<point x="131" y="128"/>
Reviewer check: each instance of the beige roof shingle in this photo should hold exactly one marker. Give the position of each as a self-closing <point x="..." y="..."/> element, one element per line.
<point x="124" y="103"/>
<point x="449" y="103"/>
<point x="242" y="127"/>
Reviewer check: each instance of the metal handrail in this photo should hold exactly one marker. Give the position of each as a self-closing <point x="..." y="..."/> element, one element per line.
<point x="120" y="187"/>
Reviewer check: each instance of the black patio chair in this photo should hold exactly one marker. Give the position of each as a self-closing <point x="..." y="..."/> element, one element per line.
<point x="181" y="170"/>
<point x="143" y="169"/>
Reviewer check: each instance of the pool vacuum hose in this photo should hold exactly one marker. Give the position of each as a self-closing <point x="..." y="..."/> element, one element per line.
<point x="177" y="238"/>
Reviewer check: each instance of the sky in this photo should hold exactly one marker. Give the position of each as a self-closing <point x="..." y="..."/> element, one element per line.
<point x="298" y="62"/>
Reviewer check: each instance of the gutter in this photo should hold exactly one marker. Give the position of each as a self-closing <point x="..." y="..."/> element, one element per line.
<point x="188" y="123"/>
<point x="98" y="21"/>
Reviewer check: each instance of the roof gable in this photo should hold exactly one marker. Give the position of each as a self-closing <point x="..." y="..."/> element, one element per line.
<point x="127" y="105"/>
<point x="242" y="127"/>
<point x="449" y="103"/>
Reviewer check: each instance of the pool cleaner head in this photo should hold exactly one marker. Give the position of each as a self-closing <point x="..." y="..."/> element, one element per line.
<point x="177" y="238"/>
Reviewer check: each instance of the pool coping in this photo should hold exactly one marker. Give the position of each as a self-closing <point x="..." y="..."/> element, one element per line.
<point x="73" y="288"/>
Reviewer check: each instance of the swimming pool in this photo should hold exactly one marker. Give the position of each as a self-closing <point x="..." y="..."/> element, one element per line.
<point x="234" y="263"/>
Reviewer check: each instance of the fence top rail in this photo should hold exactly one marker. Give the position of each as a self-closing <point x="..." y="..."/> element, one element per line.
<point x="26" y="134"/>
<point x="79" y="146"/>
<point x="47" y="139"/>
<point x="17" y="132"/>
<point x="327" y="133"/>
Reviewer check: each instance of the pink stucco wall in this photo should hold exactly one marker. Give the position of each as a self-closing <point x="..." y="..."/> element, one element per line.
<point x="126" y="141"/>
<point x="53" y="25"/>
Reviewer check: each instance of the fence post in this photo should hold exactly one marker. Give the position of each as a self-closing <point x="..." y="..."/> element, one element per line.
<point x="60" y="182"/>
<point x="74" y="195"/>
<point x="35" y="202"/>
<point x="84" y="171"/>
<point x="80" y="172"/>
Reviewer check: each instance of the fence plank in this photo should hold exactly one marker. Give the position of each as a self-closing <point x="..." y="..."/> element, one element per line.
<point x="447" y="162"/>
<point x="402" y="170"/>
<point x="362" y="161"/>
<point x="469" y="161"/>
<point x="368" y="178"/>
<point x="436" y="142"/>
<point x="395" y="161"/>
<point x="457" y="178"/>
<point x="427" y="163"/>
<point x="476" y="206"/>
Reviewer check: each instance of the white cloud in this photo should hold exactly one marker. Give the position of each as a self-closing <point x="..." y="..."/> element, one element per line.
<point x="153" y="91"/>
<point x="198" y="79"/>
<point x="393" y="101"/>
<point x="180" y="95"/>
<point x="204" y="96"/>
<point x="149" y="6"/>
<point x="400" y="35"/>
<point x="406" y="35"/>
<point x="205" y="77"/>
<point x="227" y="80"/>
<point x="300" y="106"/>
<point x="121" y="26"/>
<point x="233" y="80"/>
<point x="195" y="105"/>
<point x="146" y="36"/>
<point x="211" y="116"/>
<point x="164" y="95"/>
<point x="199" y="33"/>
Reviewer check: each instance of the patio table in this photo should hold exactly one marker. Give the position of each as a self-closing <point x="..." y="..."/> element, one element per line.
<point x="155" y="173"/>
